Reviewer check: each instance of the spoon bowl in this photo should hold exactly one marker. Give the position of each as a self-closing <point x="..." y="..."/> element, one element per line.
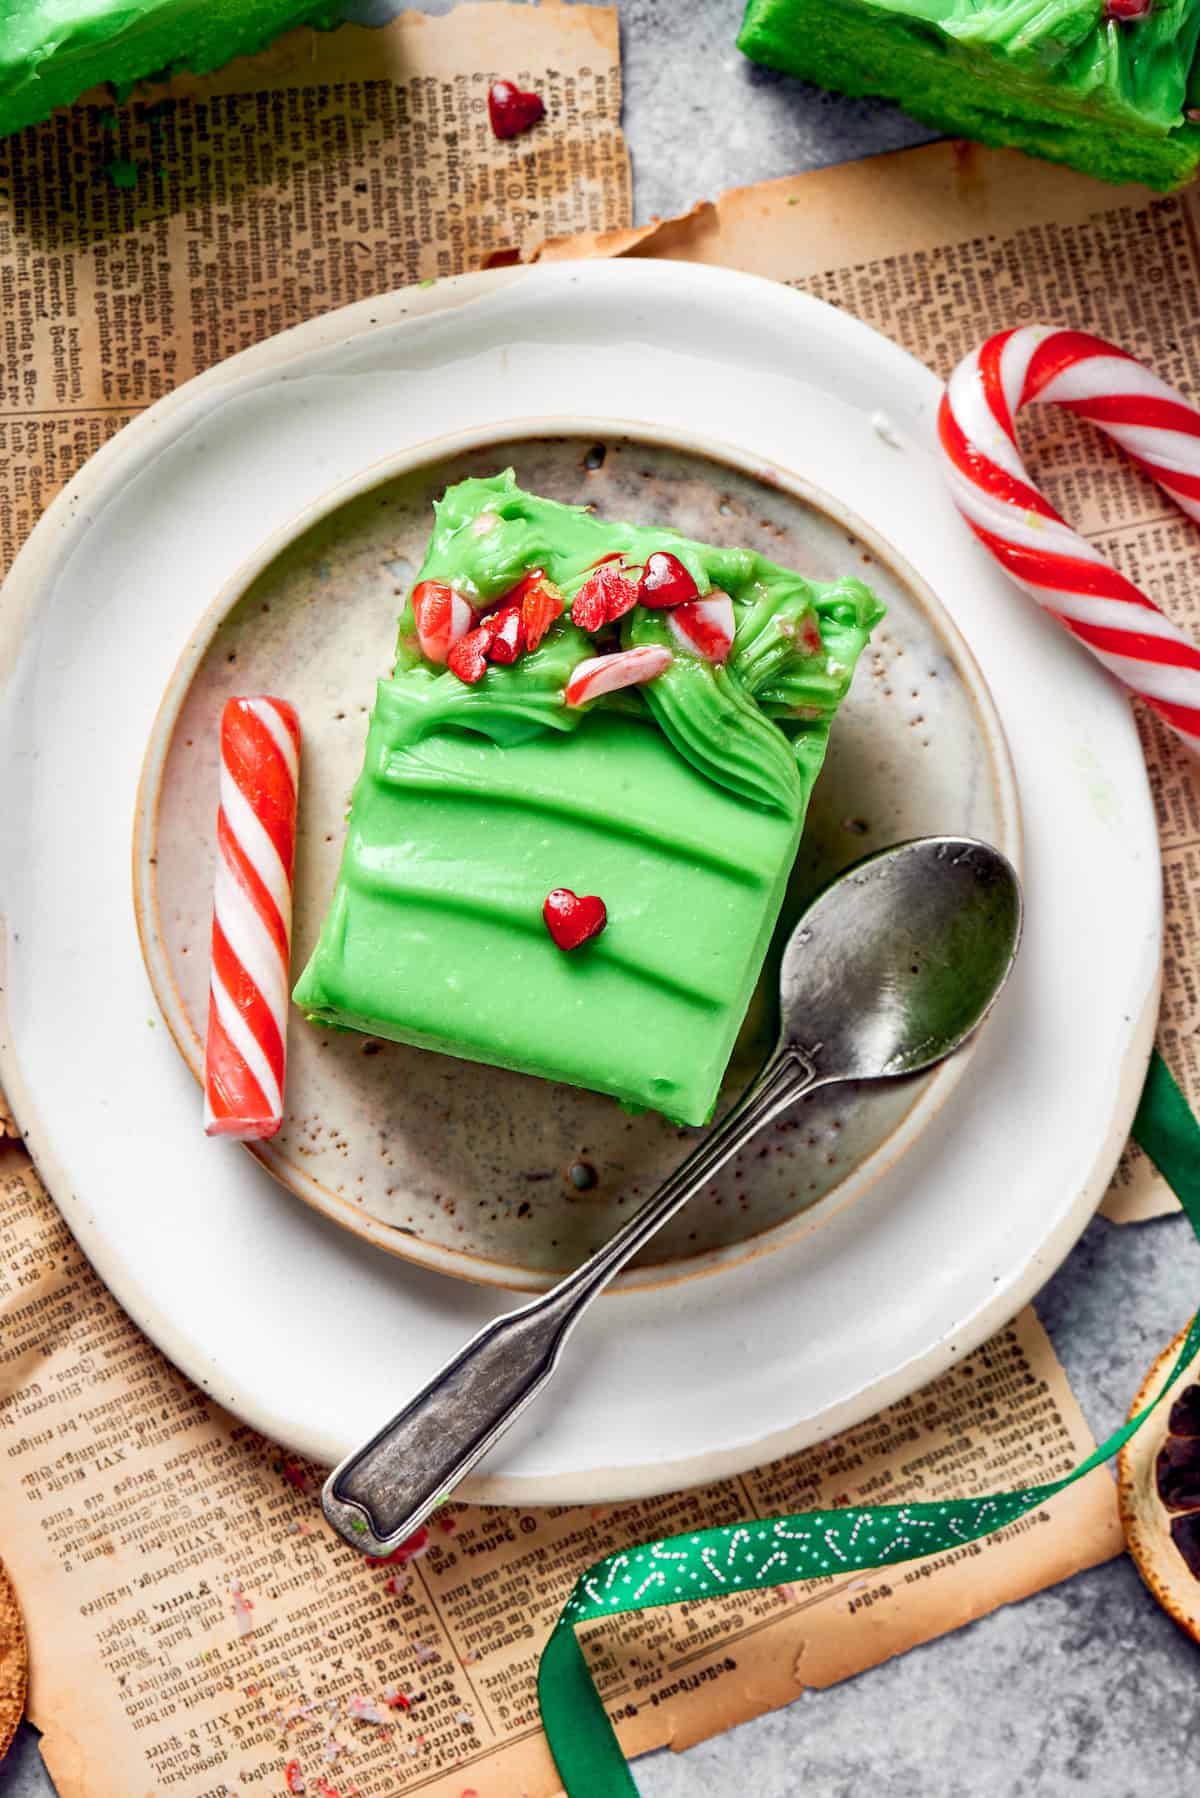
<point x="896" y="963"/>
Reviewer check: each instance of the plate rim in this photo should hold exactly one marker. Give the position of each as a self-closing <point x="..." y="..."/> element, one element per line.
<point x="19" y="594"/>
<point x="929" y="1094"/>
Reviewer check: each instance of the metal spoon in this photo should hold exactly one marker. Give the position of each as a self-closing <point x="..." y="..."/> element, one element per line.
<point x="887" y="972"/>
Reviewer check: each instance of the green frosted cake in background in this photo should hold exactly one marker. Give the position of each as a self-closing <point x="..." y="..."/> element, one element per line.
<point x="51" y="51"/>
<point x="1109" y="86"/>
<point x="587" y="705"/>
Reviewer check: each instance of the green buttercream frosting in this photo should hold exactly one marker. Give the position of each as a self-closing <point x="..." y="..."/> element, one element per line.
<point x="679" y="802"/>
<point x="1059" y="78"/>
<point x="744" y="726"/>
<point x="51" y="51"/>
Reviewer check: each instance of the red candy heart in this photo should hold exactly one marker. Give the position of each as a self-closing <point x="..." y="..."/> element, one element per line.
<point x="513" y="109"/>
<point x="468" y="657"/>
<point x="572" y="920"/>
<point x="1128" y="9"/>
<point x="665" y="581"/>
<point x="604" y="597"/>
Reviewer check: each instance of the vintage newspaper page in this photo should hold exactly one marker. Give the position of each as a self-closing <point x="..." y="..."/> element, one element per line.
<point x="939" y="247"/>
<point x="140" y="243"/>
<point x="195" y="1627"/>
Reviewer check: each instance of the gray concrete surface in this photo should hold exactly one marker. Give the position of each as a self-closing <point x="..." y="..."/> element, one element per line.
<point x="1086" y="1689"/>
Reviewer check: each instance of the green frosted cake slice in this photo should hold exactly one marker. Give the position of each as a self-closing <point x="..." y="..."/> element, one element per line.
<point x="51" y="51"/>
<point x="1108" y="86"/>
<point x="582" y="706"/>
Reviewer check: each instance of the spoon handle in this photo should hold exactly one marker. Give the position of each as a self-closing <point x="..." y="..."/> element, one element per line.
<point x="383" y="1492"/>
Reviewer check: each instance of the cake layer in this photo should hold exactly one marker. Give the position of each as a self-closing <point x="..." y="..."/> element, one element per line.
<point x="679" y="803"/>
<point x="436" y="934"/>
<point x="1057" y="78"/>
<point x="51" y="51"/>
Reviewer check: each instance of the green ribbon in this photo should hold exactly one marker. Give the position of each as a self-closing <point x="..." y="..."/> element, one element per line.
<point x="809" y="1544"/>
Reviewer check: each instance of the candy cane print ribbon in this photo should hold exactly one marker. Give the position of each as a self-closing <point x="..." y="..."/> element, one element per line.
<point x="1156" y="426"/>
<point x="769" y="1551"/>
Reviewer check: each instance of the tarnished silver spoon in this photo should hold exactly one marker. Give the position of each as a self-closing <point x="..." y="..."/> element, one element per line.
<point x="887" y="972"/>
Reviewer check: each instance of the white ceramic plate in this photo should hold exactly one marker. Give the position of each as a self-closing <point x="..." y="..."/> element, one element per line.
<point x="460" y="1167"/>
<point x="313" y="1334"/>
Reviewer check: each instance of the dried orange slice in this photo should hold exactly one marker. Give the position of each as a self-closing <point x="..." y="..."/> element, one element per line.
<point x="1159" y="1490"/>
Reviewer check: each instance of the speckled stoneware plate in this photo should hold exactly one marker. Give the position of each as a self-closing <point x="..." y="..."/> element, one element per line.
<point x="308" y="1330"/>
<point x="474" y="1171"/>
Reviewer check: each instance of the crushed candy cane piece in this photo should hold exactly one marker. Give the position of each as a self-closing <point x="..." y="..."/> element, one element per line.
<point x="705" y="626"/>
<point x="443" y="619"/>
<point x="665" y="581"/>
<point x="424" y="1653"/>
<point x="293" y="1777"/>
<point x="572" y="920"/>
<point x="810" y="635"/>
<point x="364" y="1710"/>
<point x="609" y="674"/>
<point x="508" y="639"/>
<point x="242" y="1608"/>
<point x="395" y="1699"/>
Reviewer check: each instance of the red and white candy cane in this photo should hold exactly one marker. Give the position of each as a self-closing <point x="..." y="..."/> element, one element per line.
<point x="1160" y="430"/>
<point x="252" y="919"/>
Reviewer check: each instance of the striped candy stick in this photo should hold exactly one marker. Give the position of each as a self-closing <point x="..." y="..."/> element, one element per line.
<point x="1157" y="427"/>
<point x="252" y="919"/>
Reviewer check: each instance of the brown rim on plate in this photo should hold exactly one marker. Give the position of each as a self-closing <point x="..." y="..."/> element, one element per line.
<point x="929" y="1094"/>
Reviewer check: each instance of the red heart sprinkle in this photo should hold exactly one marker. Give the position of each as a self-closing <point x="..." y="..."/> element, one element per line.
<point x="468" y="657"/>
<point x="588" y="606"/>
<point x="665" y="581"/>
<point x="1128" y="9"/>
<point x="513" y="109"/>
<point x="572" y="920"/>
<point x="604" y="597"/>
<point x="508" y="639"/>
<point x="620" y="595"/>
